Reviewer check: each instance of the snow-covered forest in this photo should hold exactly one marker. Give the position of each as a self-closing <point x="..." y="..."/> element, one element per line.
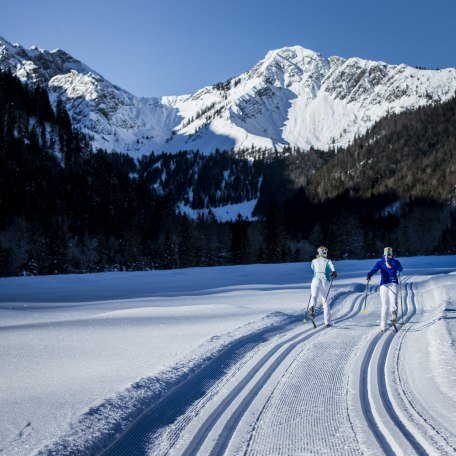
<point x="67" y="208"/>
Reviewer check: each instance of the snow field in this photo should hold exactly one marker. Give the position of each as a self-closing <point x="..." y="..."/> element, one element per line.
<point x="289" y="415"/>
<point x="223" y="213"/>
<point x="63" y="361"/>
<point x="78" y="375"/>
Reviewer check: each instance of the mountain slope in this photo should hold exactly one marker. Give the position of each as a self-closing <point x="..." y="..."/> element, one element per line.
<point x="114" y="118"/>
<point x="293" y="97"/>
<point x="411" y="154"/>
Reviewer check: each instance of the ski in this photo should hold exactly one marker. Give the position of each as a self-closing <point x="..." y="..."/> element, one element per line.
<point x="312" y="320"/>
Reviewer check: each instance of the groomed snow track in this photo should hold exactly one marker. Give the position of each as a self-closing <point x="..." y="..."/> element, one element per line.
<point x="298" y="390"/>
<point x="236" y="415"/>
<point x="178" y="401"/>
<point x="391" y="434"/>
<point x="138" y="437"/>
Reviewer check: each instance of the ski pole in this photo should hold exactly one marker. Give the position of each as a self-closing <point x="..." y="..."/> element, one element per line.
<point x="329" y="289"/>
<point x="365" y="299"/>
<point x="402" y="308"/>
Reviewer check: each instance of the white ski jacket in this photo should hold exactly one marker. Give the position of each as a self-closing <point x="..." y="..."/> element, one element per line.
<point x="322" y="268"/>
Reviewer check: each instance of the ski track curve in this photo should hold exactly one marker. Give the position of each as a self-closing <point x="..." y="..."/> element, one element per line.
<point x="229" y="423"/>
<point x="374" y="401"/>
<point x="316" y="385"/>
<point x="390" y="432"/>
<point x="136" y="439"/>
<point x="419" y="397"/>
<point x="388" y="404"/>
<point x="188" y="398"/>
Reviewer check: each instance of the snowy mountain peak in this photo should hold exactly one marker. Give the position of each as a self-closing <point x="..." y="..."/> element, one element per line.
<point x="38" y="66"/>
<point x="284" y="66"/>
<point x="294" y="54"/>
<point x="292" y="97"/>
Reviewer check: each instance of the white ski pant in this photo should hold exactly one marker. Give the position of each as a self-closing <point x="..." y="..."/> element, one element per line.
<point x="319" y="289"/>
<point x="389" y="293"/>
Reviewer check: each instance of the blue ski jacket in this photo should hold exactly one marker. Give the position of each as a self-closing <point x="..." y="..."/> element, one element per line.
<point x="389" y="275"/>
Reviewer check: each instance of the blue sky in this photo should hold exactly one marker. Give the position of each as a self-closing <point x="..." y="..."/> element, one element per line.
<point x="172" y="47"/>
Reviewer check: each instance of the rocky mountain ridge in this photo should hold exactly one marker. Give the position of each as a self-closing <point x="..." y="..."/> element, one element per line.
<point x="293" y="97"/>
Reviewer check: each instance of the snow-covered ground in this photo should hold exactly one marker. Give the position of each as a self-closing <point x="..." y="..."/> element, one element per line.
<point x="227" y="213"/>
<point x="88" y="358"/>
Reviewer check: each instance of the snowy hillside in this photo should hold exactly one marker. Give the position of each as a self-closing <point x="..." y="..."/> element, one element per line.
<point x="87" y="359"/>
<point x="116" y="119"/>
<point x="293" y="97"/>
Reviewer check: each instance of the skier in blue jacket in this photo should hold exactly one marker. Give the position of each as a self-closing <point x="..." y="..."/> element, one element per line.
<point x="388" y="267"/>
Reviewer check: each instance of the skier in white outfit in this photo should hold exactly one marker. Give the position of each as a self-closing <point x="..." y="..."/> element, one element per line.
<point x="324" y="270"/>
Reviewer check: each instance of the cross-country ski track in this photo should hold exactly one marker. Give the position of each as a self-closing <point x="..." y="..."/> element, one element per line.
<point x="218" y="361"/>
<point x="347" y="389"/>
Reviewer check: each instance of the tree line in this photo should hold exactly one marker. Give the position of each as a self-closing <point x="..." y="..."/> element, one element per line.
<point x="67" y="208"/>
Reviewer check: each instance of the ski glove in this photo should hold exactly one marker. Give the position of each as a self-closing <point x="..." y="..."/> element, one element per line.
<point x="368" y="278"/>
<point x="334" y="274"/>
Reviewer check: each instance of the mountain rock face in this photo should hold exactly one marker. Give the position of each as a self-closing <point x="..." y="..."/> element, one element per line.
<point x="293" y="97"/>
